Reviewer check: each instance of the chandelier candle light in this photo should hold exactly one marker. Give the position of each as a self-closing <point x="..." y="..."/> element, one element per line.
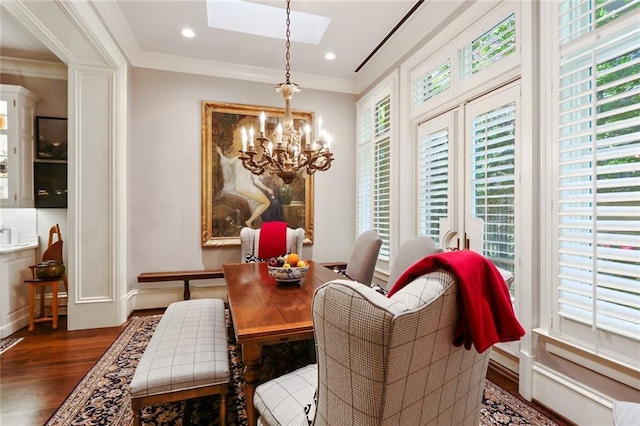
<point x="288" y="151"/>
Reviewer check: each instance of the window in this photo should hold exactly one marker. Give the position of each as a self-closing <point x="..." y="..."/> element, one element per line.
<point x="598" y="176"/>
<point x="491" y="176"/>
<point x="364" y="179"/>
<point x="373" y="186"/>
<point x="431" y="83"/>
<point x="434" y="180"/>
<point x="492" y="46"/>
<point x="382" y="175"/>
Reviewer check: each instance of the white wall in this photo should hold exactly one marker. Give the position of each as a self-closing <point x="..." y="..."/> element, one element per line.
<point x="164" y="174"/>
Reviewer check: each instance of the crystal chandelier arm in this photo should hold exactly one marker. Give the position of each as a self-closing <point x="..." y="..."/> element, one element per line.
<point x="285" y="154"/>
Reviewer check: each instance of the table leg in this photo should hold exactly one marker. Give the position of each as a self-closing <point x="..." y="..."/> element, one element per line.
<point x="251" y="353"/>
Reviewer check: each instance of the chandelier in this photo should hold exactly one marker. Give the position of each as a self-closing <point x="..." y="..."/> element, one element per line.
<point x="287" y="151"/>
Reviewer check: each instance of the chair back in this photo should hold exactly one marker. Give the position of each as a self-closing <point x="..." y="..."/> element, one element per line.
<point x="54" y="249"/>
<point x="250" y="241"/>
<point x="409" y="253"/>
<point x="394" y="362"/>
<point x="363" y="257"/>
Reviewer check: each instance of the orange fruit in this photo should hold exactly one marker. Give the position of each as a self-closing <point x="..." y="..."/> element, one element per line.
<point x="293" y="259"/>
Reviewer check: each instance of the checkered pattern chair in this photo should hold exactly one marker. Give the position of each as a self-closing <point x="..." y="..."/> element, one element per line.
<point x="381" y="361"/>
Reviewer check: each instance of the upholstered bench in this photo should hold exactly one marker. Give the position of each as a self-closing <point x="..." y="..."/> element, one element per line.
<point x="186" y="358"/>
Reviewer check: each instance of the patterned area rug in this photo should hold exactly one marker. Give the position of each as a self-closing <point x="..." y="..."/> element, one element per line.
<point x="102" y="397"/>
<point x="8" y="342"/>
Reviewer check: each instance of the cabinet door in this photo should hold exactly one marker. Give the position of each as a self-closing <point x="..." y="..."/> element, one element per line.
<point x="17" y="113"/>
<point x="26" y="127"/>
<point x="6" y="160"/>
<point x="14" y="302"/>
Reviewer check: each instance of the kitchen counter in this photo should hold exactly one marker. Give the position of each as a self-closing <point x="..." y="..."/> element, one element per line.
<point x="12" y="248"/>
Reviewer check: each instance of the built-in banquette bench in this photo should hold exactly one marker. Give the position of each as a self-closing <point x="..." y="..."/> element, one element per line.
<point x="186" y="358"/>
<point x="186" y="276"/>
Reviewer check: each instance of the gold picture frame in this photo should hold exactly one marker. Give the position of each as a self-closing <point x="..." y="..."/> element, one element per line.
<point x="231" y="195"/>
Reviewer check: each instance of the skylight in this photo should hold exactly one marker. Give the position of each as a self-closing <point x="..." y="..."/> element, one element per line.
<point x="266" y="21"/>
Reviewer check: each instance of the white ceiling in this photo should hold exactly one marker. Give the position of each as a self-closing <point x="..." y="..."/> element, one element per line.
<point x="149" y="31"/>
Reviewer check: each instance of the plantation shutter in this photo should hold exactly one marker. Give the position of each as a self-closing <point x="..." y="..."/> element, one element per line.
<point x="433" y="181"/>
<point x="364" y="179"/>
<point x="431" y="83"/>
<point x="580" y="17"/>
<point x="382" y="175"/>
<point x="598" y="173"/>
<point x="492" y="182"/>
<point x="494" y="45"/>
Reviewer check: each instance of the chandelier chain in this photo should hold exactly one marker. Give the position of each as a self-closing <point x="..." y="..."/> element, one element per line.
<point x="288" y="56"/>
<point x="287" y="151"/>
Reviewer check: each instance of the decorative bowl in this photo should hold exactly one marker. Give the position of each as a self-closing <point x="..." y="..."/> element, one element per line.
<point x="287" y="275"/>
<point x="50" y="269"/>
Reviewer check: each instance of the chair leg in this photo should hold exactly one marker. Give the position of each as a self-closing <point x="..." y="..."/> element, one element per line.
<point x="41" y="312"/>
<point x="32" y="307"/>
<point x="54" y="304"/>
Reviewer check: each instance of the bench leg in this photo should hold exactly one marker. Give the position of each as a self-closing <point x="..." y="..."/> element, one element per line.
<point x="223" y="409"/>
<point x="135" y="407"/>
<point x="188" y="409"/>
<point x="187" y="294"/>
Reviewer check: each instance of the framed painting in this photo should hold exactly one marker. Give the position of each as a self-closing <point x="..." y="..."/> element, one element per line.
<point x="233" y="197"/>
<point x="51" y="138"/>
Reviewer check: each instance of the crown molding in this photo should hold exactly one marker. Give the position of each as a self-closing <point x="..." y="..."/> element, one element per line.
<point x="239" y="72"/>
<point x="115" y="21"/>
<point x="33" y="68"/>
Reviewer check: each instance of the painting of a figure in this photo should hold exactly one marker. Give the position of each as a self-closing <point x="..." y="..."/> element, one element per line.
<point x="232" y="196"/>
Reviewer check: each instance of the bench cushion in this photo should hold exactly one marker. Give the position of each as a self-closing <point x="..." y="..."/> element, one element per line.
<point x="187" y="350"/>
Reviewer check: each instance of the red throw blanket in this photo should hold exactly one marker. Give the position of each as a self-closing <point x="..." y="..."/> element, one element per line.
<point x="485" y="316"/>
<point x="273" y="240"/>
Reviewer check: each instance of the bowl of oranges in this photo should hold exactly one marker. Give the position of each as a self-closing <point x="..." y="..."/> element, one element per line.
<point x="288" y="268"/>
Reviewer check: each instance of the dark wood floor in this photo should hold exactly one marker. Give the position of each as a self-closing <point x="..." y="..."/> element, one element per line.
<point x="38" y="374"/>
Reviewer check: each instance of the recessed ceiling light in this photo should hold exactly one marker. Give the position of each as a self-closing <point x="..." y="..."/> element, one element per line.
<point x="187" y="32"/>
<point x="330" y="56"/>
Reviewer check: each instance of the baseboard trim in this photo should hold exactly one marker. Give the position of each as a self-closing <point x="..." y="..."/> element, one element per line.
<point x="161" y="297"/>
<point x="577" y="403"/>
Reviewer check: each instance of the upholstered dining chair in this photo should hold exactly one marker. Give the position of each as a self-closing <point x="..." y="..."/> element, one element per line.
<point x="409" y="253"/>
<point x="381" y="361"/>
<point x="363" y="257"/>
<point x="250" y="241"/>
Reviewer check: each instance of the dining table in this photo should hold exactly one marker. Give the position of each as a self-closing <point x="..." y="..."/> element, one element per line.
<point x="264" y="312"/>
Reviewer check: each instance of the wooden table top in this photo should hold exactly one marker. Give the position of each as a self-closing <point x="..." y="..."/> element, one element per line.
<point x="264" y="311"/>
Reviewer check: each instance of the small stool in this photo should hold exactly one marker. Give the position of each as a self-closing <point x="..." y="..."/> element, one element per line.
<point x="42" y="285"/>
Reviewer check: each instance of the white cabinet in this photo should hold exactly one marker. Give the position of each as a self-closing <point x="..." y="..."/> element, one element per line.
<point x="14" y="293"/>
<point x="17" y="113"/>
